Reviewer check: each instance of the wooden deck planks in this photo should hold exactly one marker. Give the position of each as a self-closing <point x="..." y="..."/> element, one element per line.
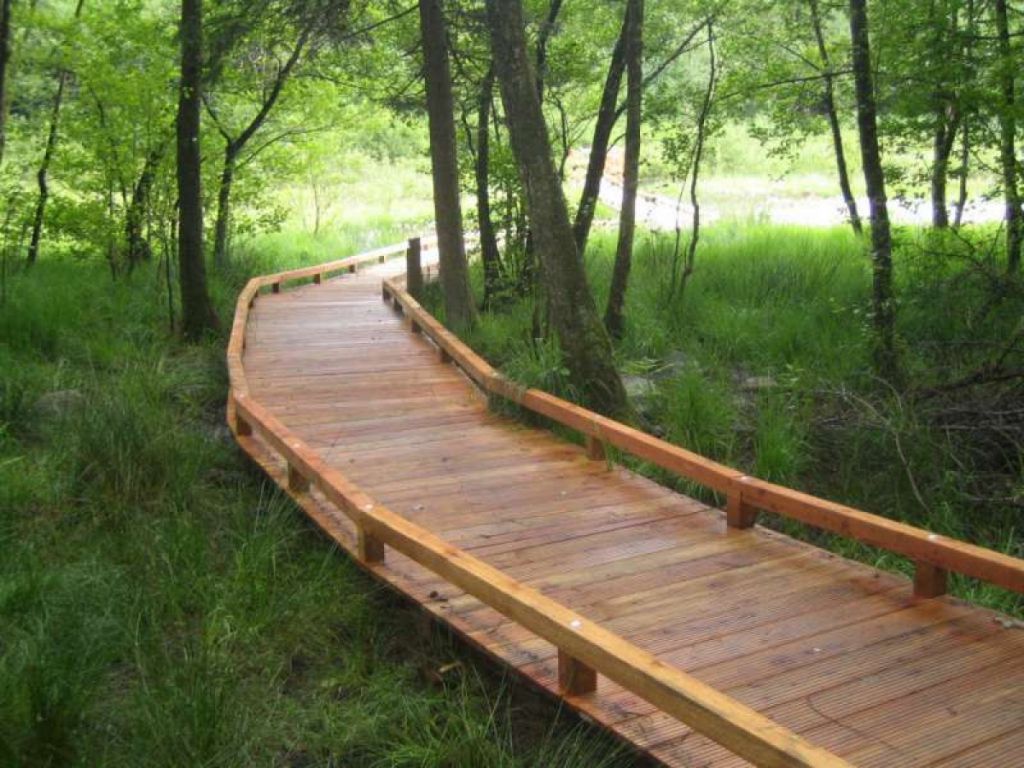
<point x="835" y="650"/>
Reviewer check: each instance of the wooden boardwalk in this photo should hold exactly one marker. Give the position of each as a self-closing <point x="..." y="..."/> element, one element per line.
<point x="838" y="652"/>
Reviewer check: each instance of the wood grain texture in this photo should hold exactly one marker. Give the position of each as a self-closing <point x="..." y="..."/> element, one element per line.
<point x="788" y="654"/>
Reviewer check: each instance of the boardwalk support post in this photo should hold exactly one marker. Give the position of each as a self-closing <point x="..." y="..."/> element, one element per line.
<point x="574" y="677"/>
<point x="297" y="481"/>
<point x="316" y="278"/>
<point x="414" y="269"/>
<point x="276" y="287"/>
<point x="929" y="580"/>
<point x="595" y="448"/>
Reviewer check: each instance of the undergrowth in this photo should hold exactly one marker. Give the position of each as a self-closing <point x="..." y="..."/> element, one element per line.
<point x="161" y="604"/>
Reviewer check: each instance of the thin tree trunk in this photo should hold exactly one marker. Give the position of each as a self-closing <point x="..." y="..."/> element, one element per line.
<point x="44" y="167"/>
<point x="489" y="253"/>
<point x="197" y="313"/>
<point x="698" y="156"/>
<point x="223" y="221"/>
<point x="942" y="148"/>
<point x="1007" y="138"/>
<point x="139" y="249"/>
<point x="546" y="29"/>
<point x="886" y="359"/>
<point x="832" y="114"/>
<point x="5" y="58"/>
<point x="460" y="311"/>
<point x="965" y="158"/>
<point x="606" y="118"/>
<point x="613" y="316"/>
<point x="585" y="345"/>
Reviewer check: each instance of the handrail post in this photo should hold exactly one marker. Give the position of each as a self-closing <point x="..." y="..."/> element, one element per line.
<point x="575" y="677"/>
<point x="595" y="448"/>
<point x="738" y="513"/>
<point x="929" y="580"/>
<point x="369" y="548"/>
<point x="414" y="269"/>
<point x="296" y="480"/>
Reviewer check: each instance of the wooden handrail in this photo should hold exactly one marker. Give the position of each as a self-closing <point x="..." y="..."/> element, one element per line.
<point x="583" y="646"/>
<point x="933" y="555"/>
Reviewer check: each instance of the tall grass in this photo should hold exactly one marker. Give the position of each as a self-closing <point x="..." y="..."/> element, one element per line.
<point x="162" y="605"/>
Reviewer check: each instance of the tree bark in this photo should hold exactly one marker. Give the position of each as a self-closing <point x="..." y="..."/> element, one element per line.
<point x="460" y="311"/>
<point x="613" y="316"/>
<point x="965" y="159"/>
<point x="607" y="115"/>
<point x="829" y="95"/>
<point x="489" y="253"/>
<point x="1007" y="139"/>
<point x="585" y="345"/>
<point x="197" y="314"/>
<point x="5" y="58"/>
<point x="886" y="359"/>
<point x="44" y="167"/>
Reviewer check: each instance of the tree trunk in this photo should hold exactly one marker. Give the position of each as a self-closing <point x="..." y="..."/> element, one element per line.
<point x="222" y="225"/>
<point x="585" y="345"/>
<point x="197" y="313"/>
<point x="1007" y="145"/>
<point x="542" y="45"/>
<point x="832" y="114"/>
<point x="613" y="316"/>
<point x="942" y="148"/>
<point x="44" y="166"/>
<point x="5" y="58"/>
<point x="606" y="116"/>
<point x="139" y="249"/>
<point x="44" y="169"/>
<point x="489" y="253"/>
<point x="886" y="359"/>
<point x="460" y="311"/>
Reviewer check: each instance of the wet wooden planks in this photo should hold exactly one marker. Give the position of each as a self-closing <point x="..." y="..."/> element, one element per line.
<point x="837" y="651"/>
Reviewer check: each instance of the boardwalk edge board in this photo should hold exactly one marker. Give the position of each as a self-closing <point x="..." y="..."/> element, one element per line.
<point x="585" y="648"/>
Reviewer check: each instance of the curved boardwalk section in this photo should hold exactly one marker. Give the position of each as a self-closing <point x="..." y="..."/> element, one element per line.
<point x="820" y="660"/>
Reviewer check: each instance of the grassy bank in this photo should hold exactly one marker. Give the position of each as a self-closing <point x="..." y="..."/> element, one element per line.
<point x="764" y="363"/>
<point x="162" y="605"/>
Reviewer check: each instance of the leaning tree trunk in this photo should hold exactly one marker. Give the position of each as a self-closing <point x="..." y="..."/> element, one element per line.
<point x="5" y="57"/>
<point x="197" y="313"/>
<point x="607" y="115"/>
<point x="886" y="359"/>
<point x="613" y="315"/>
<point x="223" y="223"/>
<point x="489" y="253"/>
<point x="585" y="345"/>
<point x="458" y="299"/>
<point x="832" y="114"/>
<point x="1007" y="139"/>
